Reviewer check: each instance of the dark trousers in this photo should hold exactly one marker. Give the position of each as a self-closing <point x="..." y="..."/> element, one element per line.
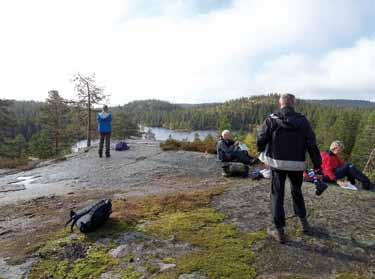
<point x="352" y="173"/>
<point x="107" y="138"/>
<point x="240" y="156"/>
<point x="277" y="195"/>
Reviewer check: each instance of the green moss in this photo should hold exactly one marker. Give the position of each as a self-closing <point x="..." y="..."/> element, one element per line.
<point x="225" y="252"/>
<point x="96" y="262"/>
<point x="50" y="267"/>
<point x="130" y="273"/>
<point x="112" y="228"/>
<point x="152" y="268"/>
<point x="183" y="224"/>
<point x="169" y="260"/>
<point x="227" y="255"/>
<point x="348" y="275"/>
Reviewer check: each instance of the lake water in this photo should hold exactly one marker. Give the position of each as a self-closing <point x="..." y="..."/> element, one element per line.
<point x="160" y="134"/>
<point x="163" y="134"/>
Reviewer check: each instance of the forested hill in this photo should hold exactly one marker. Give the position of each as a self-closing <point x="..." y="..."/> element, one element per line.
<point x="344" y="103"/>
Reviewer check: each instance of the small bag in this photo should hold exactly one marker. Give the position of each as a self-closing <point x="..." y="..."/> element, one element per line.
<point x="91" y="217"/>
<point x="121" y="146"/>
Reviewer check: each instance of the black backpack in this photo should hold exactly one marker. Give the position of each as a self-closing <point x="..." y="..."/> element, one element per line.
<point x="235" y="169"/>
<point x="91" y="217"/>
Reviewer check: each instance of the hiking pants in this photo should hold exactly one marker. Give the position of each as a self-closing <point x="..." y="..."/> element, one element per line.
<point x="277" y="196"/>
<point x="107" y="138"/>
<point x="352" y="173"/>
<point x="240" y="156"/>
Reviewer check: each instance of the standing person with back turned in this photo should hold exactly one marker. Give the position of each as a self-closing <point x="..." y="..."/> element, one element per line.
<point x="105" y="128"/>
<point x="285" y="137"/>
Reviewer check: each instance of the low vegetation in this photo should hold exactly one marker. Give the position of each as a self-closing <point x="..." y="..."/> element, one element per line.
<point x="221" y="251"/>
<point x="207" y="145"/>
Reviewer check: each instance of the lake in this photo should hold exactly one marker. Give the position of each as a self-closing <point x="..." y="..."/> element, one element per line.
<point x="160" y="134"/>
<point x="163" y="134"/>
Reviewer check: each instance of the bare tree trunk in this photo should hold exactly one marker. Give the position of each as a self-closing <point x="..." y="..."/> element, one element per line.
<point x="371" y="162"/>
<point x="89" y="116"/>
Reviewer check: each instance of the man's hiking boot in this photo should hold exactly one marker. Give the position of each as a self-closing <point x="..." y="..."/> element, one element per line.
<point x="100" y="155"/>
<point x="306" y="226"/>
<point x="277" y="235"/>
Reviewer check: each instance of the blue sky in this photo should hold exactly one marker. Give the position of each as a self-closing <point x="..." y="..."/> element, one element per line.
<point x="189" y="51"/>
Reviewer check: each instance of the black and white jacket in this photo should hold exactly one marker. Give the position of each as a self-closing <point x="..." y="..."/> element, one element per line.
<point x="284" y="139"/>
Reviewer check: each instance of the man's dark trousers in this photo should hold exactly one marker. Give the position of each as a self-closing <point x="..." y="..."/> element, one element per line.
<point x="107" y="138"/>
<point x="277" y="196"/>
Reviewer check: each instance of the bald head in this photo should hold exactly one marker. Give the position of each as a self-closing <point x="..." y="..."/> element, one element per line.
<point x="287" y="100"/>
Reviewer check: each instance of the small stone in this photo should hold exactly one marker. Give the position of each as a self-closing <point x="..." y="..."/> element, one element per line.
<point x="194" y="275"/>
<point x="120" y="251"/>
<point x="164" y="267"/>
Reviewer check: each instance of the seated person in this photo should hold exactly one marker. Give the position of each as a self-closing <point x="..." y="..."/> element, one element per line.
<point x="228" y="150"/>
<point x="335" y="169"/>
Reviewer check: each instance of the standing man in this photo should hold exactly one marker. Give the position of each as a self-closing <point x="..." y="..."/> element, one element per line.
<point x="285" y="137"/>
<point x="105" y="128"/>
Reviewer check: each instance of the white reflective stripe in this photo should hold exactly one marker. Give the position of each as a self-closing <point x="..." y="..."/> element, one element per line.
<point x="282" y="164"/>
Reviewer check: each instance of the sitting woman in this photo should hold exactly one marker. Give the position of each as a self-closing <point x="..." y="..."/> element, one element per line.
<point x="229" y="150"/>
<point x="334" y="169"/>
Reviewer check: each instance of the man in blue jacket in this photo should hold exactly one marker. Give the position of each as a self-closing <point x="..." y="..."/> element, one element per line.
<point x="105" y="128"/>
<point x="285" y="137"/>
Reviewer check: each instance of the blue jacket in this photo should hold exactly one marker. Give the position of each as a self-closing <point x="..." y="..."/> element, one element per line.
<point x="104" y="122"/>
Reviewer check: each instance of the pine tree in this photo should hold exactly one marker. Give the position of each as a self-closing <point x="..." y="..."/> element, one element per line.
<point x="7" y="125"/>
<point x="365" y="142"/>
<point x="54" y="119"/>
<point x="89" y="94"/>
<point x="123" y="126"/>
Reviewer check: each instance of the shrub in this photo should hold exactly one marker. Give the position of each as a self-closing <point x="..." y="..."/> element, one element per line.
<point x="207" y="145"/>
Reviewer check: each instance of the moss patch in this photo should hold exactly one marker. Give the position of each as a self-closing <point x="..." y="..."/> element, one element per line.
<point x="225" y="252"/>
<point x="222" y="251"/>
<point x="348" y="275"/>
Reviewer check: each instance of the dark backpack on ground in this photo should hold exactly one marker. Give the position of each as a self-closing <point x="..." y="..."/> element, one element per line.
<point x="121" y="146"/>
<point x="235" y="169"/>
<point x="91" y="217"/>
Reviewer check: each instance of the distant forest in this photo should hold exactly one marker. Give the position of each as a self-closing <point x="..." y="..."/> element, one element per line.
<point x="23" y="122"/>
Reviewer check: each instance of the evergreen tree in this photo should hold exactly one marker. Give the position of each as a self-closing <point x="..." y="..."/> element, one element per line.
<point x="54" y="119"/>
<point x="7" y="120"/>
<point x="365" y="142"/>
<point x="89" y="94"/>
<point x="123" y="126"/>
<point x="40" y="145"/>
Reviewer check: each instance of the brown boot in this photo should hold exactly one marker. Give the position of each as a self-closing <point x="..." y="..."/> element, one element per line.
<point x="278" y="235"/>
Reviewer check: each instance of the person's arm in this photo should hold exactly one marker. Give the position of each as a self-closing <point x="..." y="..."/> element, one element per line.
<point x="312" y="147"/>
<point x="264" y="136"/>
<point x="226" y="149"/>
<point x="327" y="167"/>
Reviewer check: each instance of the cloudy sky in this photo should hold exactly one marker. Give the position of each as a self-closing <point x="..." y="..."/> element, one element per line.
<point x="189" y="50"/>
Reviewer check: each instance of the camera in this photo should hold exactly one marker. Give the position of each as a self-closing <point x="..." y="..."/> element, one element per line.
<point x="320" y="186"/>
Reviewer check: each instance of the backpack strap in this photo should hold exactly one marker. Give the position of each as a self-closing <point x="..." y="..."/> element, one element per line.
<point x="74" y="217"/>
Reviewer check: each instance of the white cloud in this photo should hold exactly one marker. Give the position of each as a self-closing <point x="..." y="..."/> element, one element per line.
<point x="340" y="73"/>
<point x="166" y="51"/>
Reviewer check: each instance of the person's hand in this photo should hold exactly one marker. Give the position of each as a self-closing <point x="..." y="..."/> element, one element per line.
<point x="237" y="143"/>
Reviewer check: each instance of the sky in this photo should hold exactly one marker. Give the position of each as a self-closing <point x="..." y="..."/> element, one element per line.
<point x="191" y="51"/>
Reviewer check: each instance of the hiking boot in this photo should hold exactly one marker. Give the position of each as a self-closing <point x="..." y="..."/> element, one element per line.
<point x="107" y="155"/>
<point x="100" y="155"/>
<point x="277" y="235"/>
<point x="306" y="226"/>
